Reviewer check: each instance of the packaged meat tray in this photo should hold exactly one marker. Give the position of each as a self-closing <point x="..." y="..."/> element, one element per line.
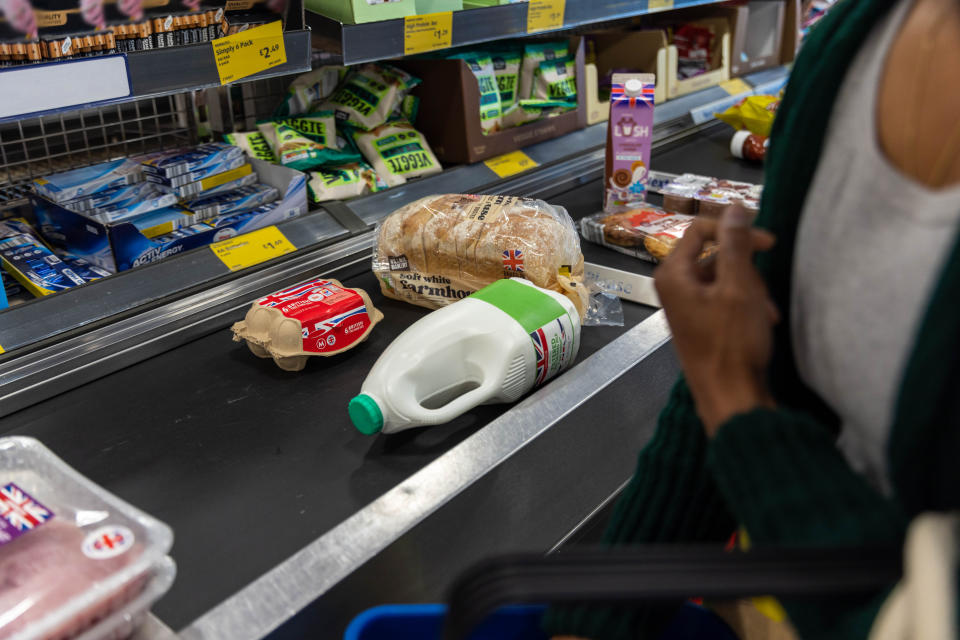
<point x="646" y="232"/>
<point x="72" y="555"/>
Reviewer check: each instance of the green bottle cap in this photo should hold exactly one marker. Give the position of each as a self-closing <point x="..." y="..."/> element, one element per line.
<point x="365" y="414"/>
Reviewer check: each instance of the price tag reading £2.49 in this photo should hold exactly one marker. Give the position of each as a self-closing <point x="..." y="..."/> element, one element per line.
<point x="252" y="248"/>
<point x="248" y="52"/>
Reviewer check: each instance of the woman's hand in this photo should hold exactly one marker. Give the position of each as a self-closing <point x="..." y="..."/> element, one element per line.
<point x="721" y="316"/>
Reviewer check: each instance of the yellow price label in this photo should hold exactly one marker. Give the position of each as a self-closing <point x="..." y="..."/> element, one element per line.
<point x="252" y="248"/>
<point x="543" y="15"/>
<point x="735" y="86"/>
<point x="427" y="32"/>
<point x="510" y="163"/>
<point x="248" y="52"/>
<point x="659" y="5"/>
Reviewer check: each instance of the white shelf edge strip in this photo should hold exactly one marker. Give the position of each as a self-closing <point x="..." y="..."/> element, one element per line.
<point x="62" y="85"/>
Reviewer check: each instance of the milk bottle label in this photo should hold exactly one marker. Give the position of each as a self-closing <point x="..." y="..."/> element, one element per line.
<point x="554" y="344"/>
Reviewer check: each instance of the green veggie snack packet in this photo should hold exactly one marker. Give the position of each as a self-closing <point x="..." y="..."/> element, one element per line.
<point x="520" y="114"/>
<point x="482" y="67"/>
<point x="533" y="54"/>
<point x="368" y="95"/>
<point x="556" y="80"/>
<point x="253" y="144"/>
<point x="506" y="66"/>
<point x="320" y="128"/>
<point x="308" y="89"/>
<point x="340" y="183"/>
<point x="293" y="148"/>
<point x="397" y="152"/>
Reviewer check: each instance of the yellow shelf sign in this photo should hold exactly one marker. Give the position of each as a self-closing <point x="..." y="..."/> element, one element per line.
<point x="544" y="15"/>
<point x="659" y="5"/>
<point x="510" y="163"/>
<point x="248" y="52"/>
<point x="735" y="86"/>
<point x="427" y="32"/>
<point x="252" y="248"/>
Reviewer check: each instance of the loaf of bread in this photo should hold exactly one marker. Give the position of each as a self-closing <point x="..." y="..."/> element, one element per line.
<point x="442" y="248"/>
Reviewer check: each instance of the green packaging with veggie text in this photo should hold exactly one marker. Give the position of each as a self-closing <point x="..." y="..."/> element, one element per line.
<point x="397" y="152"/>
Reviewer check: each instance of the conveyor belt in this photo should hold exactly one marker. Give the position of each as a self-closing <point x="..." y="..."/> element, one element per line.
<point x="249" y="464"/>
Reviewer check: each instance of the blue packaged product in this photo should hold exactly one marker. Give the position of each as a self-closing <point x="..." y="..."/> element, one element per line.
<point x="70" y="185"/>
<point x="35" y="267"/>
<point x="230" y="202"/>
<point x="222" y="221"/>
<point x="238" y="160"/>
<point x="16" y="226"/>
<point x="86" y="270"/>
<point x="113" y="197"/>
<point x="170" y="164"/>
<point x="163" y="221"/>
<point x="242" y="176"/>
<point x="129" y="210"/>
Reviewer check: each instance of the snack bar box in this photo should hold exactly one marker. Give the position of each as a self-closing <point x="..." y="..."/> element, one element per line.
<point x="122" y="245"/>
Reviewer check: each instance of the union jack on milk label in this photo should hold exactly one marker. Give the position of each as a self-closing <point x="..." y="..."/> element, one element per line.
<point x="332" y="318"/>
<point x="553" y="343"/>
<point x="19" y="513"/>
<point x="107" y="542"/>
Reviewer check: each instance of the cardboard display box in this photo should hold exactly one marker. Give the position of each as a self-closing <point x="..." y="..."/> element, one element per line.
<point x="719" y="61"/>
<point x="358" y="11"/>
<point x="122" y="245"/>
<point x="449" y="113"/>
<point x="640" y="51"/>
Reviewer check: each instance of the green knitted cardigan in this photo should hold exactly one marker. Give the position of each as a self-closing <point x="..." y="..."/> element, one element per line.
<point x="777" y="472"/>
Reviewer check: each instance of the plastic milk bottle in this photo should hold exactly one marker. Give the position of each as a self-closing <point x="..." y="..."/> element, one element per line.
<point x="492" y="346"/>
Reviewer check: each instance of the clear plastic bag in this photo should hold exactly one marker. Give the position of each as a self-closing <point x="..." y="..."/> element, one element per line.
<point x="71" y="554"/>
<point x="442" y="248"/>
<point x="604" y="308"/>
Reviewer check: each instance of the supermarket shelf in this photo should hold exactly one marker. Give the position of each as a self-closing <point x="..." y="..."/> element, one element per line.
<point x="573" y="159"/>
<point x="383" y="40"/>
<point x="148" y="73"/>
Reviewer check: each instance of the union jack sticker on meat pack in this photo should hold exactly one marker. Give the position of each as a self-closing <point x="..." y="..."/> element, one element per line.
<point x="19" y="513"/>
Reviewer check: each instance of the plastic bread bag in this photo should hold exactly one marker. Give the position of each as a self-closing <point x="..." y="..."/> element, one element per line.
<point x="71" y="553"/>
<point x="343" y="182"/>
<point x="481" y="66"/>
<point x="646" y="232"/>
<point x="533" y="54"/>
<point x="397" y="152"/>
<point x="506" y="67"/>
<point x="308" y="89"/>
<point x="369" y="94"/>
<point x="753" y="113"/>
<point x="253" y="143"/>
<point x="320" y="317"/>
<point x="442" y="248"/>
<point x="556" y="80"/>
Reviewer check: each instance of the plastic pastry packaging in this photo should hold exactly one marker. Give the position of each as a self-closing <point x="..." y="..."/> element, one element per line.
<point x="316" y="318"/>
<point x="74" y="559"/>
<point x="442" y="248"/>
<point x="481" y="65"/>
<point x="693" y="194"/>
<point x="533" y="54"/>
<point x="340" y="183"/>
<point x="397" y="152"/>
<point x="646" y="232"/>
<point x="369" y="94"/>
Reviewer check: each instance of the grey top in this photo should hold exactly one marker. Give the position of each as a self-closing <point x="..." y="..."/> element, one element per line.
<point x="870" y="247"/>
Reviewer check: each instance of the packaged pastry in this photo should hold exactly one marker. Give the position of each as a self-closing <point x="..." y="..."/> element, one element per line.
<point x="397" y="152"/>
<point x="316" y="318"/>
<point x="694" y="194"/>
<point x="340" y="183"/>
<point x="645" y="232"/>
<point x="253" y="143"/>
<point x="533" y="54"/>
<point x="442" y="248"/>
<point x="680" y="194"/>
<point x="556" y="80"/>
<point x="369" y="94"/>
<point x="481" y="66"/>
<point x="506" y="67"/>
<point x="308" y="89"/>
